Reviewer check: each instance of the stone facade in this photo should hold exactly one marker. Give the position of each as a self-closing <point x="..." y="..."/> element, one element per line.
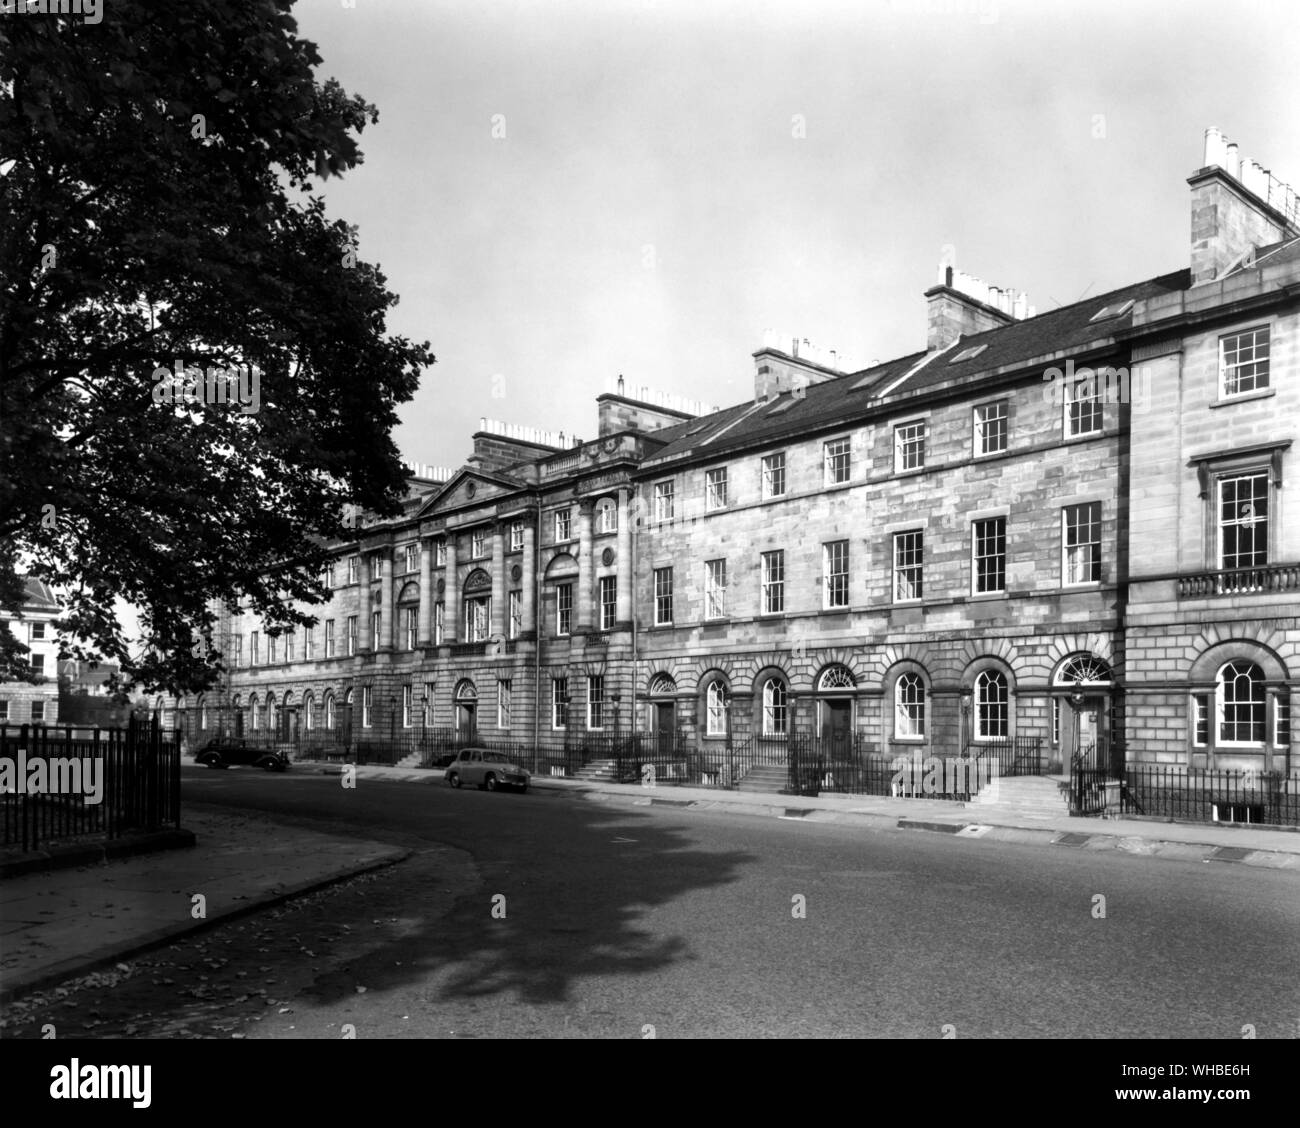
<point x="35" y="702"/>
<point x="1019" y="534"/>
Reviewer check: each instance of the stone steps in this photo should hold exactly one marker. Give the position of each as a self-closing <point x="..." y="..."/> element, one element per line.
<point x="598" y="771"/>
<point x="767" y="779"/>
<point x="1028" y="796"/>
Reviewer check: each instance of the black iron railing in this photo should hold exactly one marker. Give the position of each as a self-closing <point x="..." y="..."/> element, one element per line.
<point x="1190" y="794"/>
<point x="1014" y="756"/>
<point x="67" y="783"/>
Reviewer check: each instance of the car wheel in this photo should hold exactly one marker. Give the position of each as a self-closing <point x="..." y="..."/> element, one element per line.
<point x="269" y="765"/>
<point x="214" y="761"/>
<point x="453" y="778"/>
<point x="491" y="782"/>
<point x="523" y="789"/>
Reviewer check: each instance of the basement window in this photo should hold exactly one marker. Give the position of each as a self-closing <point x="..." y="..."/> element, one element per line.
<point x="1116" y="310"/>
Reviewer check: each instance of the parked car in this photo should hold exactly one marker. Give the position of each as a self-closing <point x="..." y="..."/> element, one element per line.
<point x="444" y="759"/>
<point x="485" y="768"/>
<point x="223" y="753"/>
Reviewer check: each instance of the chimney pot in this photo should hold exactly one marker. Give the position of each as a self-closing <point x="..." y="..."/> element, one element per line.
<point x="1215" y="150"/>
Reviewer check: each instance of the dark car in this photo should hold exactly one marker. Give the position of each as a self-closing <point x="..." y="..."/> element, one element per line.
<point x="487" y="769"/>
<point x="223" y="753"/>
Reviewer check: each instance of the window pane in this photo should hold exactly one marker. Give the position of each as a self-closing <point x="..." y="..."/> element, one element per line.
<point x="773" y="582"/>
<point x="1243" y="520"/>
<point x="907" y="565"/>
<point x="1081" y="529"/>
<point x="835" y="557"/>
<point x="991" y="705"/>
<point x="837" y="461"/>
<point x="663" y="596"/>
<point x="991" y="428"/>
<point x="1244" y="359"/>
<point x="1242" y="706"/>
<point x="715" y="589"/>
<point x="990" y="548"/>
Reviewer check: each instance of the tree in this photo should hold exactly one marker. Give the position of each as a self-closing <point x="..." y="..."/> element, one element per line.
<point x="161" y="246"/>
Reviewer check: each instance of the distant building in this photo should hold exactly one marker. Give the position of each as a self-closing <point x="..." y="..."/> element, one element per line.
<point x="84" y="698"/>
<point x="1078" y="529"/>
<point x="35" y="702"/>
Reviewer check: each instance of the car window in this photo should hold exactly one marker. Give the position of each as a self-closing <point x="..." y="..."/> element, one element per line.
<point x="466" y="755"/>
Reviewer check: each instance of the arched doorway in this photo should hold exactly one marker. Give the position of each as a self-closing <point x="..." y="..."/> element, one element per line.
<point x="1081" y="713"/>
<point x="346" y="719"/>
<point x="663" y="711"/>
<point x="834" y="703"/>
<point x="465" y="711"/>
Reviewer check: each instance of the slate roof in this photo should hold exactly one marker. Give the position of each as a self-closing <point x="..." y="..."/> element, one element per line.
<point x="1068" y="329"/>
<point x="37" y="596"/>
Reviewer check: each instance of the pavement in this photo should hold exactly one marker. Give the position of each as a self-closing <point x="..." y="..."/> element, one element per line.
<point x="73" y="921"/>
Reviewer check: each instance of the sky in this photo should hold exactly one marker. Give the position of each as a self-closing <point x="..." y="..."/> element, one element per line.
<point x="563" y="192"/>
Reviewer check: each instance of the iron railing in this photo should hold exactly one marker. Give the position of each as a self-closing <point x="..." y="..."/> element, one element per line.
<point x="798" y="763"/>
<point x="89" y="783"/>
<point x="1014" y="756"/>
<point x="1171" y="791"/>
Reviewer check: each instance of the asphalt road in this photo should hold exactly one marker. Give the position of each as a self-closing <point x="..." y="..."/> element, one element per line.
<point x="543" y="916"/>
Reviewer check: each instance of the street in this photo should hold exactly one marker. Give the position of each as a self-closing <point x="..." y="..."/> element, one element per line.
<point x="547" y="917"/>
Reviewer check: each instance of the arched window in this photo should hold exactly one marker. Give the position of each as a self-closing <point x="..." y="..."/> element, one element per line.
<point x="254" y="715"/>
<point x="836" y="677"/>
<point x="203" y="714"/>
<point x="465" y="691"/>
<point x="1084" y="669"/>
<point x="909" y="707"/>
<point x="717" y="703"/>
<point x="991" y="706"/>
<point x="776" y="707"/>
<point x="272" y="714"/>
<point x="408" y="616"/>
<point x="477" y="606"/>
<point x="662" y="685"/>
<point x="1242" y="708"/>
<point x="329" y="711"/>
<point x="308" y="711"/>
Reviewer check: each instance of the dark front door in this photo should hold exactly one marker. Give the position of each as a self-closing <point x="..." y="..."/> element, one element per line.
<point x="837" y="720"/>
<point x="466" y="721"/>
<point x="665" y="722"/>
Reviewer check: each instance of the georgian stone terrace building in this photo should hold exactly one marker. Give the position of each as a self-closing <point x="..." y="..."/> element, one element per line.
<point x="1079" y="527"/>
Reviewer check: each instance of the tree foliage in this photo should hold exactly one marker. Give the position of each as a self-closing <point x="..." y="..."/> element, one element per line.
<point x="159" y="206"/>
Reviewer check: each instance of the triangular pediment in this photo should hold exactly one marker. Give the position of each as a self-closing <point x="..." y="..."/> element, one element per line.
<point x="468" y="488"/>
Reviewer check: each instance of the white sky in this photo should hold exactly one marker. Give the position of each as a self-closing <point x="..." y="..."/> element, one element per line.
<point x="649" y="211"/>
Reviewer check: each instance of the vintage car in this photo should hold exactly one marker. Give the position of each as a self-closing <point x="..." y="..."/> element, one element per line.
<point x="485" y="768"/>
<point x="223" y="753"/>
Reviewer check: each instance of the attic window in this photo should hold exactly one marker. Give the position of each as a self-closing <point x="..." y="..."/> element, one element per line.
<point x="1110" y="311"/>
<point x="968" y="354"/>
<point x="697" y="430"/>
<point x="784" y="405"/>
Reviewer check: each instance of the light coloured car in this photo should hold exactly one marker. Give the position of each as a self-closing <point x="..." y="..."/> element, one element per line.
<point x="485" y="768"/>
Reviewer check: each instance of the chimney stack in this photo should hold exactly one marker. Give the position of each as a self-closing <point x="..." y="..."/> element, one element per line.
<point x="1237" y="205"/>
<point x="786" y="363"/>
<point x="962" y="305"/>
